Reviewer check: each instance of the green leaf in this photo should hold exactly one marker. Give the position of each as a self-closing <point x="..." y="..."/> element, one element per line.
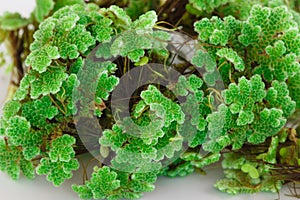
<point x="10" y="109"/>
<point x="10" y="157"/>
<point x="101" y="185"/>
<point x="50" y="82"/>
<point x="213" y="158"/>
<point x="62" y="3"/>
<point x="12" y="21"/>
<point x="131" y="44"/>
<point x="20" y="133"/>
<point x="136" y="55"/>
<point x="102" y="31"/>
<point x="204" y="60"/>
<point x="83" y="191"/>
<point x="113" y="138"/>
<point x="173" y="111"/>
<point x="27" y="169"/>
<point x="143" y="61"/>
<point x="234" y="187"/>
<point x="233" y="161"/>
<point x="251" y="170"/>
<point x="57" y="172"/>
<point x="38" y="111"/>
<point x="18" y="129"/>
<point x="61" y="149"/>
<point x="215" y="30"/>
<point x="278" y="96"/>
<point x="207" y="6"/>
<point x="61" y="162"/>
<point x="43" y="8"/>
<point x="232" y="57"/>
<point x="277" y="51"/>
<point x="42" y="58"/>
<point x="119" y="17"/>
<point x="106" y="84"/>
<point x="244" y="118"/>
<point x="242" y="98"/>
<point x="270" y="123"/>
<point x="145" y="22"/>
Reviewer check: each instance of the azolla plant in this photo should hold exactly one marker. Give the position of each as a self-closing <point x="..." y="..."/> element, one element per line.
<point x="146" y="100"/>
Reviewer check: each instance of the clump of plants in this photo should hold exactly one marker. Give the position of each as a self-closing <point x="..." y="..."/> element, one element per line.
<point x="234" y="100"/>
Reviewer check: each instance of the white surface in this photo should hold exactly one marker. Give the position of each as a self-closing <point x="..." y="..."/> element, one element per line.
<point x="192" y="187"/>
<point x="4" y="81"/>
<point x="21" y="6"/>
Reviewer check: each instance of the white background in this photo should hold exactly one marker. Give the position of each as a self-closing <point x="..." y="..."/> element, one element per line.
<point x="195" y="186"/>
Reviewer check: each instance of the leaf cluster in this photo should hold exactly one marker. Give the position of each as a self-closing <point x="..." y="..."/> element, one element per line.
<point x="255" y="58"/>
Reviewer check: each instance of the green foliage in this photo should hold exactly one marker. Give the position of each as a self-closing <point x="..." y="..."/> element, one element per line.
<point x="61" y="162"/>
<point x="62" y="3"/>
<point x="12" y="162"/>
<point x="217" y="31"/>
<point x="61" y="149"/>
<point x="106" y="84"/>
<point x="94" y="76"/>
<point x="270" y="156"/>
<point x="243" y="117"/>
<point x="269" y="53"/>
<point x="273" y="120"/>
<point x="65" y="36"/>
<point x="57" y="172"/>
<point x="139" y="37"/>
<point x="203" y="59"/>
<point x="109" y="184"/>
<point x="278" y="96"/>
<point x="242" y="97"/>
<point x="46" y="91"/>
<point x="19" y="134"/>
<point x="49" y="83"/>
<point x="251" y="170"/>
<point x="244" y="176"/>
<point x="238" y="8"/>
<point x="23" y="89"/>
<point x="234" y="187"/>
<point x="198" y="6"/>
<point x="119" y="17"/>
<point x="136" y="8"/>
<point x="129" y="157"/>
<point x="210" y="159"/>
<point x="10" y="109"/>
<point x="40" y="60"/>
<point x="43" y="8"/>
<point x="293" y="87"/>
<point x="38" y="111"/>
<point x="102" y="183"/>
<point x="182" y="169"/>
<point x="12" y="21"/>
<point x="232" y="57"/>
<point x="282" y="54"/>
<point x="162" y="106"/>
<point x="65" y="95"/>
<point x="235" y="94"/>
